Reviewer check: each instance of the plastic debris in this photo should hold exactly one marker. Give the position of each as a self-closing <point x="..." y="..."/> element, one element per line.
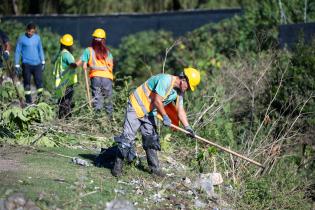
<point x="119" y="205"/>
<point x="80" y="162"/>
<point x="119" y="191"/>
<point x="205" y="184"/>
<point x="157" y="197"/>
<point x="187" y="181"/>
<point x="199" y="204"/>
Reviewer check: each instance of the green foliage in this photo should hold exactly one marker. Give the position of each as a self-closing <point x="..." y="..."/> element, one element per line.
<point x="254" y="31"/>
<point x="110" y="6"/>
<point x="277" y="190"/>
<point x="257" y="191"/>
<point x="141" y="55"/>
<point x="296" y="69"/>
<point x="234" y="57"/>
<point x="17" y="118"/>
<point x="294" y="9"/>
<point x="50" y="42"/>
<point x="7" y="92"/>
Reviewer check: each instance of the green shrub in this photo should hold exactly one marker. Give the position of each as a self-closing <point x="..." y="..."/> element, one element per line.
<point x="283" y="188"/>
<point x="50" y="42"/>
<point x="7" y="92"/>
<point x="17" y="118"/>
<point x="298" y="82"/>
<point x="141" y="55"/>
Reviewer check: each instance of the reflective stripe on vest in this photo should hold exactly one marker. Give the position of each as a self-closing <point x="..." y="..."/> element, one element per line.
<point x="141" y="101"/>
<point x="64" y="76"/>
<point x="93" y="64"/>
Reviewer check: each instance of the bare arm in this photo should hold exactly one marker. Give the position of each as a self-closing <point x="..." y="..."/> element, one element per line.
<point x="79" y="62"/>
<point x="182" y="116"/>
<point x="158" y="104"/>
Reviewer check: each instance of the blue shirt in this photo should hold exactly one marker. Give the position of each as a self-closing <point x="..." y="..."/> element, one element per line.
<point x="30" y="49"/>
<point x="160" y="84"/>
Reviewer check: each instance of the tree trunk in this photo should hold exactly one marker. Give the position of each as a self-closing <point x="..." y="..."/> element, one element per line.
<point x="176" y="5"/>
<point x="15" y="7"/>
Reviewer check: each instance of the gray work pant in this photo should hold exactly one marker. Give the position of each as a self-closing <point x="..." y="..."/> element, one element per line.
<point x="102" y="90"/>
<point x="132" y="124"/>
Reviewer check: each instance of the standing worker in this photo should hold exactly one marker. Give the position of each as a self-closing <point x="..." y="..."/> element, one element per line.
<point x="4" y="51"/>
<point x="66" y="76"/>
<point x="29" y="47"/>
<point x="155" y="96"/>
<point x="99" y="60"/>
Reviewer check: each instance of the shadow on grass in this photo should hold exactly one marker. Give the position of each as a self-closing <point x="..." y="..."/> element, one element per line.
<point x="105" y="159"/>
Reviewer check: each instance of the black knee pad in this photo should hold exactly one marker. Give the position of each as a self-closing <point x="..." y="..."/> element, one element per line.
<point x="151" y="142"/>
<point x="125" y="151"/>
<point x="128" y="153"/>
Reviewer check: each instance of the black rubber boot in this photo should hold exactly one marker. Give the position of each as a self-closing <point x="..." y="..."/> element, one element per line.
<point x="153" y="162"/>
<point x="28" y="98"/>
<point x="39" y="97"/>
<point x="118" y="165"/>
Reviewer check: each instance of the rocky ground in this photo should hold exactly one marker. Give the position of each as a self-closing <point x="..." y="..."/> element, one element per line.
<point x="33" y="178"/>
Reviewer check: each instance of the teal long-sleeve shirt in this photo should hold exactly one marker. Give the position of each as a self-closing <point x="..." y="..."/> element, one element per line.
<point x="30" y="49"/>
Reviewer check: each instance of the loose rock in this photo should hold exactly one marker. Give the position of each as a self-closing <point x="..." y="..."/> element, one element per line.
<point x="119" y="205"/>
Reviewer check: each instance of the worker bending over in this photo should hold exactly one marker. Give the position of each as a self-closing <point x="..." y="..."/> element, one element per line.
<point x="152" y="98"/>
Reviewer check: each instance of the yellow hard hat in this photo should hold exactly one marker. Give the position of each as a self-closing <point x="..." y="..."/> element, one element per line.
<point x="66" y="40"/>
<point x="193" y="76"/>
<point x="99" y="33"/>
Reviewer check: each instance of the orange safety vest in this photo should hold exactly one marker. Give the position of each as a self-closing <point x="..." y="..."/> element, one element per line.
<point x="100" y="68"/>
<point x="141" y="101"/>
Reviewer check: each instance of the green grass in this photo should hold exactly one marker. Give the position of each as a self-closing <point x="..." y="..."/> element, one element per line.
<point x="59" y="181"/>
<point x="54" y="181"/>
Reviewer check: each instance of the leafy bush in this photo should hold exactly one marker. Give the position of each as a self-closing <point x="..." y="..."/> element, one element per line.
<point x="51" y="46"/>
<point x="7" y="92"/>
<point x="17" y="118"/>
<point x="298" y="81"/>
<point x="277" y="190"/>
<point x="141" y="55"/>
<point x="241" y="73"/>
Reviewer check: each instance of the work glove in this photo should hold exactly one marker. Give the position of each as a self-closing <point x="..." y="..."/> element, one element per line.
<point x="166" y="120"/>
<point x="191" y="131"/>
<point x="17" y="69"/>
<point x="43" y="66"/>
<point x="6" y="55"/>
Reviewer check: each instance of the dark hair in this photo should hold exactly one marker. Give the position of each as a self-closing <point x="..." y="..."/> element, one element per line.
<point x="30" y="26"/>
<point x="69" y="48"/>
<point x="100" y="49"/>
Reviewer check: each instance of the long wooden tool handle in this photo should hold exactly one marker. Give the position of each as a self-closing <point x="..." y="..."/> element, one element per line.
<point x="87" y="89"/>
<point x="220" y="147"/>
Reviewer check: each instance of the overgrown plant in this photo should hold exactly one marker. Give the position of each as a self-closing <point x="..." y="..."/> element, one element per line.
<point x="18" y="118"/>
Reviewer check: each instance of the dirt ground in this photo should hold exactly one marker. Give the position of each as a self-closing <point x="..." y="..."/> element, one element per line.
<point x="10" y="157"/>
